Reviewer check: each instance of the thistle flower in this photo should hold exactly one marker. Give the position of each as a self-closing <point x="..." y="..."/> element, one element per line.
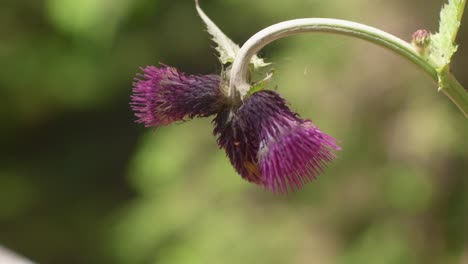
<point x="164" y="95"/>
<point x="270" y="145"/>
<point x="266" y="142"/>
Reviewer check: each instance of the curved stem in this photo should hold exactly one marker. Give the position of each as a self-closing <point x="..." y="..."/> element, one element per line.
<point x="456" y="93"/>
<point x="239" y="85"/>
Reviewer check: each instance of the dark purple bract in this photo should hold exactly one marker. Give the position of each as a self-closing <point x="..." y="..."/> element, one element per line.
<point x="164" y="95"/>
<point x="270" y="145"/>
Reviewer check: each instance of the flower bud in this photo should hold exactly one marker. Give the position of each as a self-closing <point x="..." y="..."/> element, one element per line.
<point x="420" y="40"/>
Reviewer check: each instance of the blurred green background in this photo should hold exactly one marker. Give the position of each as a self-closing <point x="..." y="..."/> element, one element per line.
<point x="81" y="183"/>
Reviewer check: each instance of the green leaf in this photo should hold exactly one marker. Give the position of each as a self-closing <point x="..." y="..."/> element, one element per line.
<point x="442" y="45"/>
<point x="226" y="48"/>
<point x="261" y="84"/>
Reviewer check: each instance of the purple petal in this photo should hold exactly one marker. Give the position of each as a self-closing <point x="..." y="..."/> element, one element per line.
<point x="294" y="157"/>
<point x="270" y="145"/>
<point x="164" y="95"/>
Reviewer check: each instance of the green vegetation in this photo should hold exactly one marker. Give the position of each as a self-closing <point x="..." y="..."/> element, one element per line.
<point x="81" y="183"/>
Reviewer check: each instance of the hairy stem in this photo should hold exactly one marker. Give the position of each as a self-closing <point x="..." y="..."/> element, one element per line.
<point x="239" y="85"/>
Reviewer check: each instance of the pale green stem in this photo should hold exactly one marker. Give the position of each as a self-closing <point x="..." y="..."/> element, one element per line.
<point x="239" y="85"/>
<point x="456" y="93"/>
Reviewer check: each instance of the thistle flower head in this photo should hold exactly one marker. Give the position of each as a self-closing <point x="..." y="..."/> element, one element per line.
<point x="420" y="40"/>
<point x="164" y="95"/>
<point x="266" y="142"/>
<point x="270" y="145"/>
<point x="421" y="37"/>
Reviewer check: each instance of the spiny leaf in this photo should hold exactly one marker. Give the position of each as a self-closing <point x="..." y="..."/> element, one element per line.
<point x="226" y="48"/>
<point x="258" y="62"/>
<point x="261" y="84"/>
<point x="442" y="45"/>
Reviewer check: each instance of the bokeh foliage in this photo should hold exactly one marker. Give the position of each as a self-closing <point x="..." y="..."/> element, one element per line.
<point x="81" y="183"/>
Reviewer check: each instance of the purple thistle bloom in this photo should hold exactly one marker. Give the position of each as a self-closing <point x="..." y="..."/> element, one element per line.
<point x="266" y="142"/>
<point x="270" y="145"/>
<point x="164" y="95"/>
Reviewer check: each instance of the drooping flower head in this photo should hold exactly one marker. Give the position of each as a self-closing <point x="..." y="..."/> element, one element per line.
<point x="270" y="145"/>
<point x="266" y="142"/>
<point x="164" y="95"/>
